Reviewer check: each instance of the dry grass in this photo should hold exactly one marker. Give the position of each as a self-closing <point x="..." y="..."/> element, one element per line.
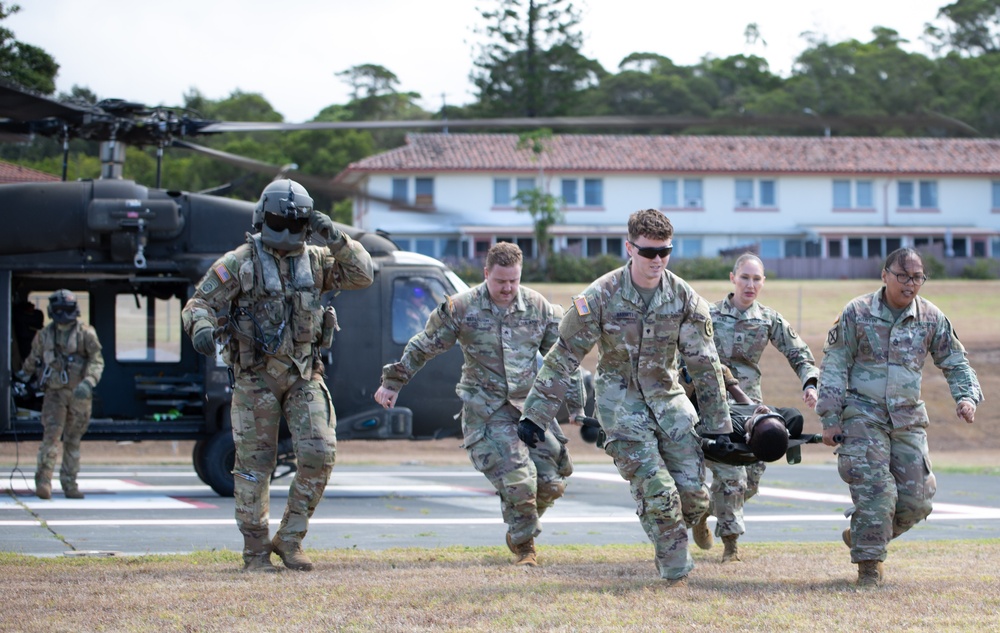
<point x="930" y="586"/>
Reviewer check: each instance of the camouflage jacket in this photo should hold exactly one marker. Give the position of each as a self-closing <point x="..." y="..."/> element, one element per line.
<point x="500" y="347"/>
<point x="65" y="357"/>
<point x="636" y="368"/>
<point x="873" y="364"/>
<point x="274" y="300"/>
<point x="742" y="336"/>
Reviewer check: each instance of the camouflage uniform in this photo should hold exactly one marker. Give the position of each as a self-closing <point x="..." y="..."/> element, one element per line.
<point x="641" y="405"/>
<point x="66" y="357"/>
<point x="870" y="387"/>
<point x="740" y="338"/>
<point x="500" y="347"/>
<point x="276" y="327"/>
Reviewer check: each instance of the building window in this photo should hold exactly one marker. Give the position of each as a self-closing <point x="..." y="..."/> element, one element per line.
<point x="690" y="247"/>
<point x="525" y="184"/>
<point x="400" y="189"/>
<point x="770" y="249"/>
<point x="861" y="198"/>
<point x="865" y="199"/>
<point x="875" y="247"/>
<point x="996" y="194"/>
<point x="570" y="195"/>
<point x="501" y="192"/>
<point x="841" y="194"/>
<point x="424" y="189"/>
<point x="593" y="192"/>
<point x="668" y="193"/>
<point x="892" y="243"/>
<point x="615" y="246"/>
<point x="425" y="246"/>
<point x="451" y="248"/>
<point x="527" y="245"/>
<point x="692" y="193"/>
<point x="595" y="246"/>
<point x="928" y="194"/>
<point x="767" y="195"/>
<point x="833" y="248"/>
<point x="905" y="193"/>
<point x="744" y="193"/>
<point x="855" y="247"/>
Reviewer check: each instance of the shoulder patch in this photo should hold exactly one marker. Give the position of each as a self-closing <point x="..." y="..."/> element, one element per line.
<point x="709" y="329"/>
<point x="222" y="272"/>
<point x="451" y="305"/>
<point x="581" y="305"/>
<point x="833" y="335"/>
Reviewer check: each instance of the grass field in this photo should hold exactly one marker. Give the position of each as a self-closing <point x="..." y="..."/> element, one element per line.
<point x="932" y="586"/>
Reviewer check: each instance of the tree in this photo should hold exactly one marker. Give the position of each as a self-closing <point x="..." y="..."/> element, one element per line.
<point x="974" y="29"/>
<point x="23" y="64"/>
<point x="542" y="206"/>
<point x="533" y="65"/>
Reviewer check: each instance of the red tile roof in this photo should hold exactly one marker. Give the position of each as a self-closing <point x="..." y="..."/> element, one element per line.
<point x="694" y="154"/>
<point x="10" y="172"/>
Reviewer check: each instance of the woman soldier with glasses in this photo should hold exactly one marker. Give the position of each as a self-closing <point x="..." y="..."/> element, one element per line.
<point x="869" y="396"/>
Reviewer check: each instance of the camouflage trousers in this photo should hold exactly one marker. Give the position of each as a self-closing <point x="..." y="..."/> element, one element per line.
<point x="66" y="418"/>
<point x="256" y="415"/>
<point x="889" y="473"/>
<point x="667" y="481"/>
<point x="731" y="486"/>
<point x="528" y="480"/>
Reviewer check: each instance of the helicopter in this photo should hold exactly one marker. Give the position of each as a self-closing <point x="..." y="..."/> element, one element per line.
<point x="132" y="254"/>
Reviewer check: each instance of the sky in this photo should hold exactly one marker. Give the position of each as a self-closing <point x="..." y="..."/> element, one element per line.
<point x="290" y="50"/>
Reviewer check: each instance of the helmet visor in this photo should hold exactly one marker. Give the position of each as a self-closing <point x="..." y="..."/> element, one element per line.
<point x="279" y="223"/>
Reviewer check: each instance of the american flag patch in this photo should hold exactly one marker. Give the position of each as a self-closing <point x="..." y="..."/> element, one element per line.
<point x="581" y="306"/>
<point x="221" y="272"/>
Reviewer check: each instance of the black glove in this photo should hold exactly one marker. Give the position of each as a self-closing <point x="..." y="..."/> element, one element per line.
<point x="530" y="433"/>
<point x="590" y="429"/>
<point x="323" y="228"/>
<point x="204" y="342"/>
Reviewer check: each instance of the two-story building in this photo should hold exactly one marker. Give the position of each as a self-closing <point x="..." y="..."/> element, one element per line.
<point x="788" y="197"/>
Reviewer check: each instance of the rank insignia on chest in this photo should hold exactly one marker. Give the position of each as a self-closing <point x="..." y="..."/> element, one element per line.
<point x="221" y="272"/>
<point x="581" y="306"/>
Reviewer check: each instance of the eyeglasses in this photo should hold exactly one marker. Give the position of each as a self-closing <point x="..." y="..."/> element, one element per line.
<point x="904" y="279"/>
<point x="280" y="223"/>
<point x="651" y="252"/>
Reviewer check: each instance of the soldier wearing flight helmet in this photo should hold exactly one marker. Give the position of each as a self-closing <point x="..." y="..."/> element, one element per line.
<point x="271" y="289"/>
<point x="66" y="359"/>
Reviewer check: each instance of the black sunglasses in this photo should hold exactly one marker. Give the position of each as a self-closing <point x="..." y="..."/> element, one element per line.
<point x="280" y="223"/>
<point x="650" y="252"/>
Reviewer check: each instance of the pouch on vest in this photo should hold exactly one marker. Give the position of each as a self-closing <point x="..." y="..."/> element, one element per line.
<point x="330" y="327"/>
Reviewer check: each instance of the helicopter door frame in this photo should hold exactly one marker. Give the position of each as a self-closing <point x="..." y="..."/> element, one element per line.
<point x="6" y="341"/>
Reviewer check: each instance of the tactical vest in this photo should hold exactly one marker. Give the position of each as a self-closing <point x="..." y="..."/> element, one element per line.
<point x="62" y="366"/>
<point x="275" y="316"/>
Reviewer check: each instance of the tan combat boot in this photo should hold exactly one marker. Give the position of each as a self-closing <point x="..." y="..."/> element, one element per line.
<point x="525" y="552"/>
<point x="846" y="535"/>
<point x="870" y="573"/>
<point x="677" y="582"/>
<point x="72" y="492"/>
<point x="43" y="490"/>
<point x="291" y="555"/>
<point x="702" y="535"/>
<point x="257" y="555"/>
<point x="732" y="551"/>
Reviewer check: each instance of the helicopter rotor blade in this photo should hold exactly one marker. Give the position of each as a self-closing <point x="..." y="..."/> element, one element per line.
<point x="318" y="183"/>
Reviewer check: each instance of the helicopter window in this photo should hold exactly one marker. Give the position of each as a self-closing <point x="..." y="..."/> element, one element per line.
<point x="147" y="329"/>
<point x="413" y="299"/>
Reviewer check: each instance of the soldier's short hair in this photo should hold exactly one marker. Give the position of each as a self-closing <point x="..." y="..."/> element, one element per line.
<point x="769" y="440"/>
<point x="504" y="254"/>
<point x="900" y="257"/>
<point x="649" y="223"/>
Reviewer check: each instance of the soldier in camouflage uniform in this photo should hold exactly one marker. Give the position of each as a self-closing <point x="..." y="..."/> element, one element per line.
<point x="501" y="327"/>
<point x="270" y="288"/>
<point x="640" y="316"/>
<point x="869" y="397"/>
<point x="68" y="354"/>
<point x="743" y="328"/>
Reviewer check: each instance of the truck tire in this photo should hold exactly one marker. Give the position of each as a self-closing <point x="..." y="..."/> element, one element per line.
<point x="218" y="461"/>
